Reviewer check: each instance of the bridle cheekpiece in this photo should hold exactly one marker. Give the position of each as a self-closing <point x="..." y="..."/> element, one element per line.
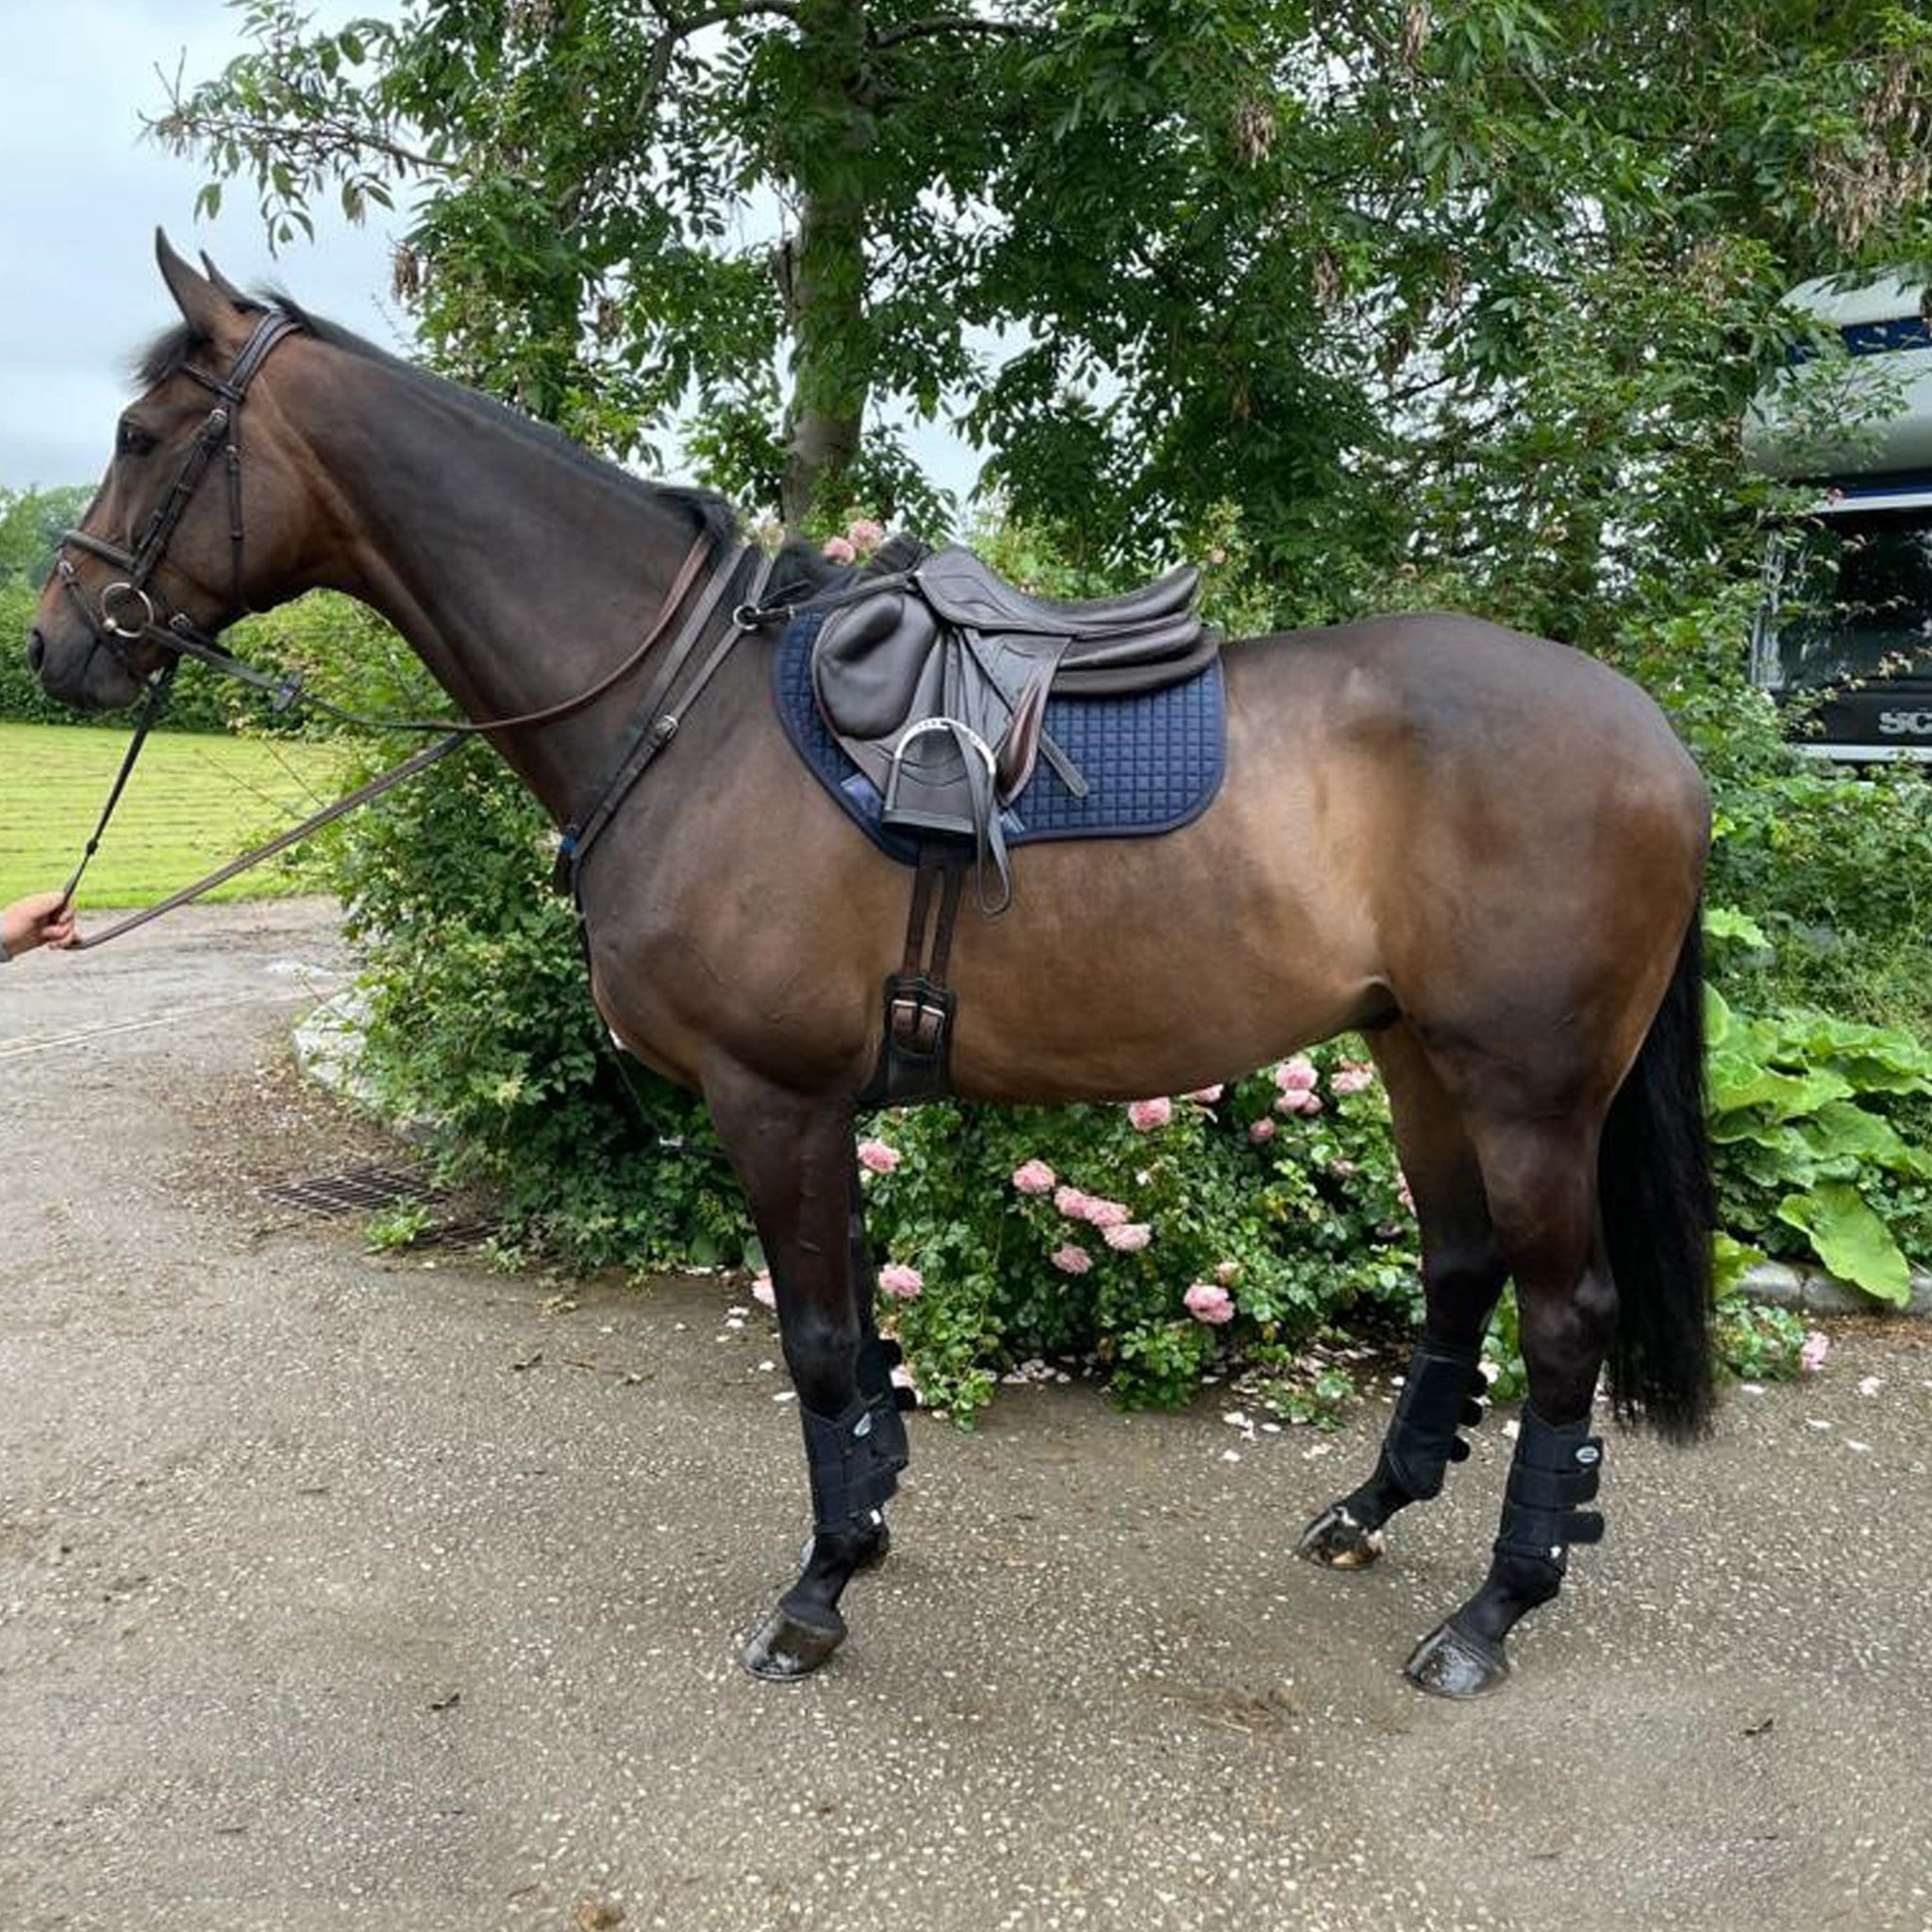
<point x="132" y="609"/>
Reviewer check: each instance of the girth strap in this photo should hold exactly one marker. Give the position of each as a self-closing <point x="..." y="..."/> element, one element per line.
<point x="915" y="1049"/>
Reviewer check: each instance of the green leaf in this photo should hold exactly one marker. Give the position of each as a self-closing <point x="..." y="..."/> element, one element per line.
<point x="1727" y="923"/>
<point x="1735" y="1084"/>
<point x="1849" y="1240"/>
<point x="1729" y="1259"/>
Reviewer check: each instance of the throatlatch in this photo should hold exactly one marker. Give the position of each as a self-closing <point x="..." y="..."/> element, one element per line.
<point x="1439" y="1396"/>
<point x="854" y="1460"/>
<point x="1556" y="1468"/>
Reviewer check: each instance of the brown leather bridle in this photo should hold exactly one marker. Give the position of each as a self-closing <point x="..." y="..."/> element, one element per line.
<point x="131" y="608"/>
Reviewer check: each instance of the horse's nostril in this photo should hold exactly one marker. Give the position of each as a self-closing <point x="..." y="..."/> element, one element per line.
<point x="36" y="650"/>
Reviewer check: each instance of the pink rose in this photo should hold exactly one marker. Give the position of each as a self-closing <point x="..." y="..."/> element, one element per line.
<point x="864" y="535"/>
<point x="1207" y="1302"/>
<point x="1130" y="1237"/>
<point x="762" y="1290"/>
<point x="1071" y="1258"/>
<point x="1811" y="1357"/>
<point x="840" y="551"/>
<point x="878" y="1157"/>
<point x="1296" y="1076"/>
<point x="1352" y="1078"/>
<point x="1204" y="1096"/>
<point x="1298" y="1100"/>
<point x="1149" y="1114"/>
<point x="896" y="1278"/>
<point x="1104" y="1214"/>
<point x="1033" y="1177"/>
<point x="1071" y="1203"/>
<point x="1262" y="1129"/>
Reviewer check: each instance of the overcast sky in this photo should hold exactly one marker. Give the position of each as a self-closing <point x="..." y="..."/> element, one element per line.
<point x="81" y="193"/>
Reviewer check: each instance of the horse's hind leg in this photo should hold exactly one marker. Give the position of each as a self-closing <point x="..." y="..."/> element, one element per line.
<point x="1543" y="1191"/>
<point x="794" y="1153"/>
<point x="1462" y="1276"/>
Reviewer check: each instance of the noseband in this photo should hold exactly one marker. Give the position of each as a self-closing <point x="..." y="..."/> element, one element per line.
<point x="132" y="608"/>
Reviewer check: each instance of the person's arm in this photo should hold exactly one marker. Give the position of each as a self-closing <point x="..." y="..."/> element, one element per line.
<point x="42" y="919"/>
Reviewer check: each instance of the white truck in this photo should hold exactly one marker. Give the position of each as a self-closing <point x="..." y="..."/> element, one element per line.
<point x="1844" y="630"/>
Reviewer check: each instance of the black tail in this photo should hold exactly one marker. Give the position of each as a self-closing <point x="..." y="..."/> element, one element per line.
<point x="1654" y="1177"/>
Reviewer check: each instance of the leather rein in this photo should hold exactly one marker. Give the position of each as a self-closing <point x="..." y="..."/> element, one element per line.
<point x="132" y="609"/>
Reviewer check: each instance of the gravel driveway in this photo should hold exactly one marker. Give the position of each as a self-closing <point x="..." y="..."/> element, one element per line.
<point x="347" y="1591"/>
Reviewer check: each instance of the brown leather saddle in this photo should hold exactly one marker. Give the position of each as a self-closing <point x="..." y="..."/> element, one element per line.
<point x="935" y="679"/>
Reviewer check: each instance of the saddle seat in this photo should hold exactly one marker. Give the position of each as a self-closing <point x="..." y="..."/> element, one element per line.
<point x="935" y="679"/>
<point x="964" y="588"/>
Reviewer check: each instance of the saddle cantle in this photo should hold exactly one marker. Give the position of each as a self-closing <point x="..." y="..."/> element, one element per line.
<point x="935" y="679"/>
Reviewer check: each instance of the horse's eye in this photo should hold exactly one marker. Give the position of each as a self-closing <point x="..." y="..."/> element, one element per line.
<point x="131" y="439"/>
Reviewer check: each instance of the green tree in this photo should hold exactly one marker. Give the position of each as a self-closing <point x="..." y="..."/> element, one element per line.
<point x="31" y="522"/>
<point x="1472" y="290"/>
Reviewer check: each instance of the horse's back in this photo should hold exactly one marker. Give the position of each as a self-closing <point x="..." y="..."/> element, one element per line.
<point x="1453" y="687"/>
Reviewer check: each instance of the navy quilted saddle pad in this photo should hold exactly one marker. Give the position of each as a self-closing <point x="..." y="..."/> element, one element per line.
<point x="1151" y="762"/>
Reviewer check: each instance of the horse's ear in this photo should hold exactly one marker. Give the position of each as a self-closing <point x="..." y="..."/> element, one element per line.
<point x="200" y="302"/>
<point x="239" y="297"/>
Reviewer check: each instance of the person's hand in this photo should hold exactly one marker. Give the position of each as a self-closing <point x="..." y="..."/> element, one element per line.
<point x="42" y="919"/>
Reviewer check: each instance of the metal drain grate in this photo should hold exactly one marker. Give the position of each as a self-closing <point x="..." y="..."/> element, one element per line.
<point x="356" y="1191"/>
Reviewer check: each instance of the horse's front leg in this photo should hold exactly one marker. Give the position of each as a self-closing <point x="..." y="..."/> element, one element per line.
<point x="794" y="1153"/>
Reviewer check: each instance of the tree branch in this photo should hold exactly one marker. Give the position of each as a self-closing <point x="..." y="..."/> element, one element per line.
<point x="325" y="138"/>
<point x="950" y="24"/>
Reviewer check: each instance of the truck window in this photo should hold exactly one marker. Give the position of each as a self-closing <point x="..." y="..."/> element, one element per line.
<point x="1855" y="600"/>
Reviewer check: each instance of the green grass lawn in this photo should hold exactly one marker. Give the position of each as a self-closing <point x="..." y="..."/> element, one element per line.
<point x="193" y="802"/>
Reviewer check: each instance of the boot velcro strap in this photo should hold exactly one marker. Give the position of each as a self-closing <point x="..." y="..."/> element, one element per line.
<point x="1554" y="1469"/>
<point x="852" y="1460"/>
<point x="1551" y="1489"/>
<point x="1437" y="1398"/>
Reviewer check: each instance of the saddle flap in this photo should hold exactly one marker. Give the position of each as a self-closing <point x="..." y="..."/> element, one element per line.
<point x="869" y="662"/>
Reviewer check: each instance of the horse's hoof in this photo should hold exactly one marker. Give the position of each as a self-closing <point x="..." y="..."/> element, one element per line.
<point x="1337" y="1541"/>
<point x="785" y="1648"/>
<point x="1449" y="1662"/>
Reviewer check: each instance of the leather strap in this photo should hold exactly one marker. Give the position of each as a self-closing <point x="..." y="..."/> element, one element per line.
<point x="916" y="1043"/>
<point x="651" y="729"/>
<point x="420" y="761"/>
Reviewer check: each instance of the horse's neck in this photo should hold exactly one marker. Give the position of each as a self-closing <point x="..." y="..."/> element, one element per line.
<point x="520" y="573"/>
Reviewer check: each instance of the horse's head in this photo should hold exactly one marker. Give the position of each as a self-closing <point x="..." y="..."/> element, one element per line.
<point x="199" y="516"/>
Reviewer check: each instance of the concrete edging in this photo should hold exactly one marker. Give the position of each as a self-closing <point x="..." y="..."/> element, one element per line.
<point x="1815" y="1292"/>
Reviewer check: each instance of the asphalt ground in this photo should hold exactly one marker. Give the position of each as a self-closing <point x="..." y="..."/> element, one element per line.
<point x="340" y="1589"/>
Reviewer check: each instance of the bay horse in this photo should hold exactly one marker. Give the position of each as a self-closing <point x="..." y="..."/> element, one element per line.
<point x="1482" y="851"/>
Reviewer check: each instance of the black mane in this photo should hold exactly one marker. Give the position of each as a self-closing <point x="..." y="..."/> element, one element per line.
<point x="174" y="346"/>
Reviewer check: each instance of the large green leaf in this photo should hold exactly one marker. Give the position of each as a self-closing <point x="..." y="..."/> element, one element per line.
<point x="1849" y="1240"/>
<point x="1843" y="1133"/>
<point x="1737" y="1083"/>
<point x="1876" y="1059"/>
